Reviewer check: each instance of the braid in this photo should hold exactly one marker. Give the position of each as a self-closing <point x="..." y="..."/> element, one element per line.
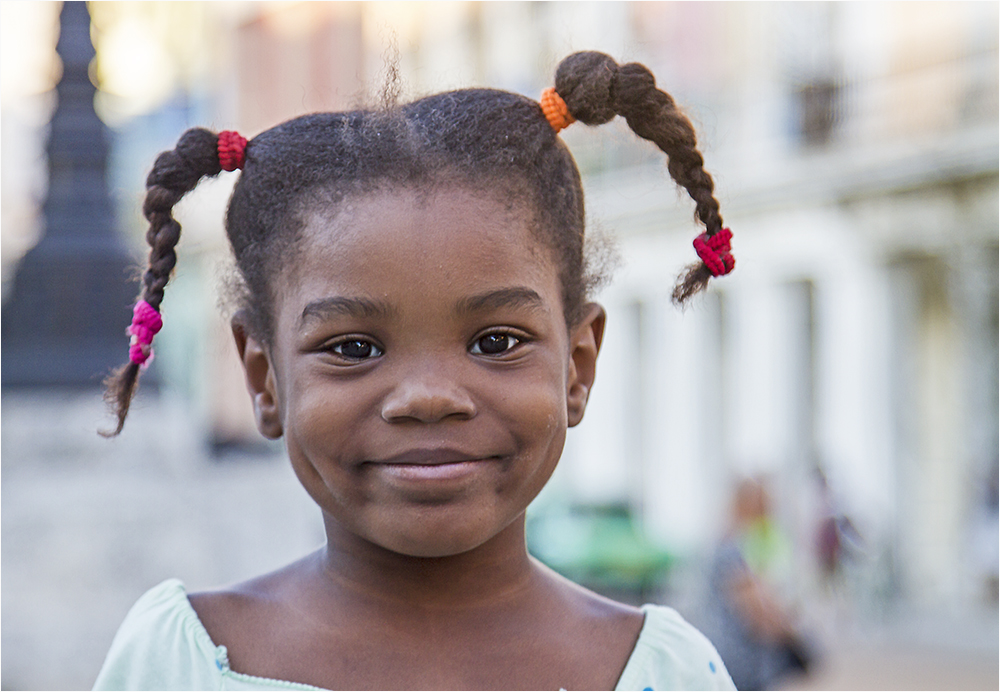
<point x="491" y="141"/>
<point x="174" y="174"/>
<point x="595" y="89"/>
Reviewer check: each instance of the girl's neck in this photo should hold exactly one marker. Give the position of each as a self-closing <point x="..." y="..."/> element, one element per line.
<point x="492" y="573"/>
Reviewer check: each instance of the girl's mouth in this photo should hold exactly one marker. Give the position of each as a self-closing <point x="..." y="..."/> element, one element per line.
<point x="423" y="465"/>
<point x="434" y="472"/>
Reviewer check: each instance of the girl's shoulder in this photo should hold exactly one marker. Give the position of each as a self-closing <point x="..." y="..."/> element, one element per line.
<point x="657" y="648"/>
<point x="162" y="644"/>
<point x="671" y="654"/>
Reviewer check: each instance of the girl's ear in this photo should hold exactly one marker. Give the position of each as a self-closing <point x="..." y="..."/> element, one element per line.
<point x="584" y="344"/>
<point x="260" y="379"/>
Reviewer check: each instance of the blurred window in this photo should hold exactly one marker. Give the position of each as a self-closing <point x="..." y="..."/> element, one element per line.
<point x="818" y="111"/>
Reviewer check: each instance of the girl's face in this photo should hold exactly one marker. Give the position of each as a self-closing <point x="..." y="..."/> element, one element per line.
<point x="421" y="370"/>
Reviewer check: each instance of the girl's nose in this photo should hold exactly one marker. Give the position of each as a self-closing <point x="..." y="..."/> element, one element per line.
<point x="427" y="400"/>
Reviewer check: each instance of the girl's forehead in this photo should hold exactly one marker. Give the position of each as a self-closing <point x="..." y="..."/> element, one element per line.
<point x="455" y="216"/>
<point x="450" y="233"/>
<point x="498" y="205"/>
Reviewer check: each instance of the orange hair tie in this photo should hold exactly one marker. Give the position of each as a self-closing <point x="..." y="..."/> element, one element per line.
<point x="555" y="110"/>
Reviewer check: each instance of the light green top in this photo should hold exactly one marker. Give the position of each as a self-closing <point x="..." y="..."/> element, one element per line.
<point x="162" y="645"/>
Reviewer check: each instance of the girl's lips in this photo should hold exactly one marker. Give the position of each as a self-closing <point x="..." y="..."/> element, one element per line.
<point x="432" y="464"/>
<point x="430" y="456"/>
<point x="434" y="472"/>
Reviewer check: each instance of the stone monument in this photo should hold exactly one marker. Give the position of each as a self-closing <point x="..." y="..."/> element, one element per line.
<point x="64" y="324"/>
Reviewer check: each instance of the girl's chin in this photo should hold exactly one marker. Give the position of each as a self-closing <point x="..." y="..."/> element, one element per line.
<point x="430" y="551"/>
<point x="436" y="544"/>
<point x="435" y="537"/>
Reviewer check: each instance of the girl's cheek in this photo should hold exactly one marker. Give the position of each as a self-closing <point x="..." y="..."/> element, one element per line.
<point x="316" y="424"/>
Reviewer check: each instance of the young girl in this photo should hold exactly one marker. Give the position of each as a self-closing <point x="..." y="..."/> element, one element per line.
<point x="415" y="324"/>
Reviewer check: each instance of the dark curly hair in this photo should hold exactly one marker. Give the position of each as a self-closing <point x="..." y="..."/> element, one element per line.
<point x="482" y="138"/>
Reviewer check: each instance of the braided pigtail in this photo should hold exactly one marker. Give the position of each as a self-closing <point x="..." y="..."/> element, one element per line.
<point x="198" y="153"/>
<point x="594" y="89"/>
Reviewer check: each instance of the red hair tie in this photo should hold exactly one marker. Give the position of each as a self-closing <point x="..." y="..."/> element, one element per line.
<point x="231" y="150"/>
<point x="555" y="109"/>
<point x="715" y="252"/>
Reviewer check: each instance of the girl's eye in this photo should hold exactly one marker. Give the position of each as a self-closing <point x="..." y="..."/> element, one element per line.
<point x="356" y="349"/>
<point x="494" y="344"/>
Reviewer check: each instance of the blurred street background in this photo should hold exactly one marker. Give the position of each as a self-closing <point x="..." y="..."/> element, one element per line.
<point x="848" y="367"/>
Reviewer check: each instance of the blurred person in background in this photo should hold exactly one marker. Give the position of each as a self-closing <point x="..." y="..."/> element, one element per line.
<point x="837" y="543"/>
<point x="986" y="534"/>
<point x="754" y="632"/>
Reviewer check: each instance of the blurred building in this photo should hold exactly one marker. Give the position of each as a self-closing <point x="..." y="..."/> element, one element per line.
<point x="855" y="152"/>
<point x="857" y="166"/>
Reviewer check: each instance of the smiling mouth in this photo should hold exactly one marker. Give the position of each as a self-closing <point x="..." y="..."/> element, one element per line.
<point x="432" y="465"/>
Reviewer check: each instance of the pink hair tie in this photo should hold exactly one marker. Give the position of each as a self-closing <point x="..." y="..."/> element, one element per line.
<point x="715" y="252"/>
<point x="146" y="322"/>
<point x="232" y="148"/>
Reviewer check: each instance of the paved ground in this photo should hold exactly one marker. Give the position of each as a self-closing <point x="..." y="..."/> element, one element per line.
<point x="89" y="524"/>
<point x="912" y="651"/>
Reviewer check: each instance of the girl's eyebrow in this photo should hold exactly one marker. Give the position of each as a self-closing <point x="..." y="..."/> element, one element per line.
<point x="324" y="308"/>
<point x="516" y="297"/>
